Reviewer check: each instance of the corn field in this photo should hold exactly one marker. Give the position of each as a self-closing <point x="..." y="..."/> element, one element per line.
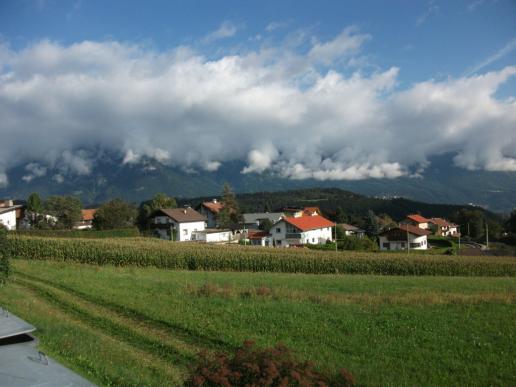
<point x="144" y="252"/>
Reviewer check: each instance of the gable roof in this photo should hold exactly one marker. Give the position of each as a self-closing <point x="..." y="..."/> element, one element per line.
<point x="400" y="233"/>
<point x="257" y="216"/>
<point x="306" y="223"/>
<point x="11" y="208"/>
<point x="214" y="207"/>
<point x="88" y="214"/>
<point x="311" y="210"/>
<point x="414" y="229"/>
<point x="350" y="227"/>
<point x="182" y="215"/>
<point x="442" y="222"/>
<point x="418" y="218"/>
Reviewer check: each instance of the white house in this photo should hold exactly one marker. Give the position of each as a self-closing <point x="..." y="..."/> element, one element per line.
<point x="210" y="210"/>
<point x="212" y="235"/>
<point x="417" y="220"/>
<point x="86" y="221"/>
<point x="177" y="223"/>
<point x="398" y="237"/>
<point x="295" y="231"/>
<point x="442" y="227"/>
<point x="10" y="213"/>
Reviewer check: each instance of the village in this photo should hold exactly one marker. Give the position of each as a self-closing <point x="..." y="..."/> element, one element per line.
<point x="288" y="227"/>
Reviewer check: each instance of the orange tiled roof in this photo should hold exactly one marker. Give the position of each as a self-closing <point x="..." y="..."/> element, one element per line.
<point x="306" y="223"/>
<point x="413" y="229"/>
<point x="418" y="218"/>
<point x="311" y="210"/>
<point x="88" y="214"/>
<point x="442" y="222"/>
<point x="214" y="207"/>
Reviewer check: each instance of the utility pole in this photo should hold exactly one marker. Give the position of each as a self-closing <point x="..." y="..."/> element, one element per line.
<point x="468" y="230"/>
<point x="336" y="247"/>
<point x="459" y="241"/>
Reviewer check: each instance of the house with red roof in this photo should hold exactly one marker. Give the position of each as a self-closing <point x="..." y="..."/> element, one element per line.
<point x="417" y="220"/>
<point x="301" y="230"/>
<point x="86" y="221"/>
<point x="403" y="237"/>
<point x="210" y="210"/>
<point x="442" y="227"/>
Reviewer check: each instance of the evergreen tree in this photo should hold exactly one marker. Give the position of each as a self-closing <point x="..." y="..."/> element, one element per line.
<point x="230" y="213"/>
<point x="160" y="200"/>
<point x="372" y="226"/>
<point x="67" y="210"/>
<point x="34" y="203"/>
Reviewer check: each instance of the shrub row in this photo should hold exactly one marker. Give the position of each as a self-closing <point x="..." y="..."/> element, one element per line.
<point x="95" y="234"/>
<point x="191" y="256"/>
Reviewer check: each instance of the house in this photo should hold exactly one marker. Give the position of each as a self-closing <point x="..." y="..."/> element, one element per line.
<point x="257" y="238"/>
<point x="212" y="235"/>
<point x="177" y="224"/>
<point x="442" y="227"/>
<point x="398" y="237"/>
<point x="417" y="220"/>
<point x="86" y="221"/>
<point x="298" y="211"/>
<point x="295" y="231"/>
<point x="254" y="220"/>
<point x="350" y="230"/>
<point x="11" y="214"/>
<point x="210" y="210"/>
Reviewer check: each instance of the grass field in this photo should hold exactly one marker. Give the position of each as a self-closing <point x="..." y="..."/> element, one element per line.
<point x="144" y="326"/>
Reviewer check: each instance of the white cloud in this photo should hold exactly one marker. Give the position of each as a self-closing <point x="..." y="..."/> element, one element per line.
<point x="225" y="30"/>
<point x="35" y="170"/>
<point x="290" y="113"/>
<point x="275" y="25"/>
<point x="431" y="9"/>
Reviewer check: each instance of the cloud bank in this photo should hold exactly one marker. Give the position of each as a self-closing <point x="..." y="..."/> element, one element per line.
<point x="300" y="114"/>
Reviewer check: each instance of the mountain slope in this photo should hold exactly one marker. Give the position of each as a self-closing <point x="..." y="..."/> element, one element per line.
<point x="441" y="183"/>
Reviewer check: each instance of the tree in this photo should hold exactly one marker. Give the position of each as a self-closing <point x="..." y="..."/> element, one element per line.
<point x="160" y="200"/>
<point x="372" y="226"/>
<point x="115" y="214"/>
<point x="34" y="203"/>
<point x="265" y="225"/>
<point x="67" y="210"/>
<point x="340" y="216"/>
<point x="230" y="213"/>
<point x="511" y="223"/>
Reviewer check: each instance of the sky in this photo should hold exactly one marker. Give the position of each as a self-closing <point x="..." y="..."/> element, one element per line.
<point x="326" y="90"/>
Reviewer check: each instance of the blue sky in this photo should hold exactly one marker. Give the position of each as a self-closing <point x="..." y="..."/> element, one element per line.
<point x="426" y="39"/>
<point x="311" y="89"/>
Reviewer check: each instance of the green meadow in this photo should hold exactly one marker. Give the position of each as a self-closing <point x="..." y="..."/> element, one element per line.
<point x="145" y="326"/>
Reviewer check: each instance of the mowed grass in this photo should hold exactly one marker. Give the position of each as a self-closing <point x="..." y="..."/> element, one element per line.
<point x="144" y="326"/>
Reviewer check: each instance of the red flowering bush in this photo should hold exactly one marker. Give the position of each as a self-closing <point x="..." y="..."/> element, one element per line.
<point x="252" y="367"/>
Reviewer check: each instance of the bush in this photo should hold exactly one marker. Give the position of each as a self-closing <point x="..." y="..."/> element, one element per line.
<point x="4" y="255"/>
<point x="266" y="367"/>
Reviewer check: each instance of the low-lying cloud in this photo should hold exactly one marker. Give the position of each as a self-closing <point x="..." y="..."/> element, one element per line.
<point x="298" y="114"/>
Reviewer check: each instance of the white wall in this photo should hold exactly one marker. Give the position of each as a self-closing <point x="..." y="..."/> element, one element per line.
<point x="213" y="237"/>
<point x="8" y="219"/>
<point x="402" y="245"/>
<point x="183" y="230"/>
<point x="280" y="230"/>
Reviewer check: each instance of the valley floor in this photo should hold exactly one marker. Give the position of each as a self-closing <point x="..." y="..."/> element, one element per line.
<point x="133" y="326"/>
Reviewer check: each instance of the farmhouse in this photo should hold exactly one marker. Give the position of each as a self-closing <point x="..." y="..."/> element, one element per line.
<point x="398" y="237"/>
<point x="177" y="224"/>
<point x="350" y="230"/>
<point x="210" y="210"/>
<point x="417" y="220"/>
<point x="10" y="214"/>
<point x="442" y="227"/>
<point x="86" y="221"/>
<point x="295" y="231"/>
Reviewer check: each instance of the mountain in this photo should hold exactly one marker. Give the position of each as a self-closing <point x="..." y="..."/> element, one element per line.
<point x="441" y="183"/>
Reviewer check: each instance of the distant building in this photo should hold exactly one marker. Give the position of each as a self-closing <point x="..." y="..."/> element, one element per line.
<point x="11" y="214"/>
<point x="351" y="230"/>
<point x="254" y="220"/>
<point x="177" y="223"/>
<point x="210" y="211"/>
<point x="297" y="212"/>
<point x="301" y="230"/>
<point x="442" y="227"/>
<point x="212" y="235"/>
<point x="86" y="221"/>
<point x="417" y="220"/>
<point x="398" y="237"/>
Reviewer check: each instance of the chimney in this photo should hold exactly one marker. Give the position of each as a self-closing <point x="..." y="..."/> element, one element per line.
<point x="214" y="200"/>
<point x="184" y="211"/>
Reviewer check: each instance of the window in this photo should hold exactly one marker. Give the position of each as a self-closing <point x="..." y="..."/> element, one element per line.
<point x="386" y="245"/>
<point x="278" y="230"/>
<point x="313" y="240"/>
<point x="185" y="231"/>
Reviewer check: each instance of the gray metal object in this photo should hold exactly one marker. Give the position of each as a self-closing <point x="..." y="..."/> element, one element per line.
<point x="23" y="365"/>
<point x="10" y="325"/>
